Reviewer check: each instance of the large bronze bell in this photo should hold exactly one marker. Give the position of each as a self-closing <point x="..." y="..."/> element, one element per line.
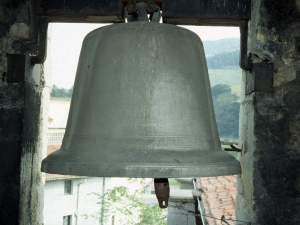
<point x="141" y="107"/>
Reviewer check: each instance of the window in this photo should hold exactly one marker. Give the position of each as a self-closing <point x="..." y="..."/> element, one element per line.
<point x="68" y="187"/>
<point x="67" y="220"/>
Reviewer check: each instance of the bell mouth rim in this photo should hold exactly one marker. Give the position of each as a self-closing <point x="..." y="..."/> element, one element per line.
<point x="218" y="163"/>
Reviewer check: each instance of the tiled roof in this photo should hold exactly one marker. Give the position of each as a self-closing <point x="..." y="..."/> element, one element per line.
<point x="52" y="148"/>
<point x="218" y="197"/>
<point x="49" y="176"/>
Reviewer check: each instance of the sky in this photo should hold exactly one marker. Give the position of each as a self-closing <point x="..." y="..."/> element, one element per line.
<point x="65" y="41"/>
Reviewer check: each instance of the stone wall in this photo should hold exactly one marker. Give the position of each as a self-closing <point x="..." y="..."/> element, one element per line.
<point x="21" y="198"/>
<point x="269" y="186"/>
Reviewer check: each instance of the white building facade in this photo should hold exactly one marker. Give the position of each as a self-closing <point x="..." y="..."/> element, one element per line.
<point x="70" y="200"/>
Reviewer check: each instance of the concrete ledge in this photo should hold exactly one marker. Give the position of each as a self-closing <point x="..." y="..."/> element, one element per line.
<point x="181" y="195"/>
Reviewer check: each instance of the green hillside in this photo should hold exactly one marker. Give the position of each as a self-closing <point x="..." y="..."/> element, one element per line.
<point x="230" y="76"/>
<point x="226" y="107"/>
<point x="225" y="76"/>
<point x="212" y="48"/>
<point x="224" y="59"/>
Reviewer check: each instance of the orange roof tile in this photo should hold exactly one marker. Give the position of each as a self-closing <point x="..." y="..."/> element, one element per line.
<point x="52" y="148"/>
<point x="218" y="198"/>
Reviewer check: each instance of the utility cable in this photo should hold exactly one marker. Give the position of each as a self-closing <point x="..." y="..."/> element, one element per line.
<point x="223" y="220"/>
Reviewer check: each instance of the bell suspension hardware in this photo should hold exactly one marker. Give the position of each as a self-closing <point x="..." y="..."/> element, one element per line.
<point x="139" y="11"/>
<point x="162" y="191"/>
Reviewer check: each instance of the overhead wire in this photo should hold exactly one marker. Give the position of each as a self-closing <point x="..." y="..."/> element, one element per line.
<point x="222" y="219"/>
<point x="202" y="215"/>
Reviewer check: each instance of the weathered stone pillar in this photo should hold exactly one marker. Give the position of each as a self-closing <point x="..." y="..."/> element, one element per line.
<point x="269" y="186"/>
<point x="21" y="186"/>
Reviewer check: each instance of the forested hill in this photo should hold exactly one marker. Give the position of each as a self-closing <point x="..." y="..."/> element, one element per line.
<point x="225" y="76"/>
<point x="224" y="60"/>
<point x="222" y="53"/>
<point x="223" y="45"/>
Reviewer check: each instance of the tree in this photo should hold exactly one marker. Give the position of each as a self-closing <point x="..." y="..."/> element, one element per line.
<point x="226" y="107"/>
<point x="128" y="208"/>
<point x="223" y="60"/>
<point x="61" y="92"/>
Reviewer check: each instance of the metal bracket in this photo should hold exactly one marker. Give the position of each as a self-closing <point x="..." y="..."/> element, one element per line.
<point x="245" y="61"/>
<point x="42" y="42"/>
<point x="260" y="79"/>
<point x="162" y="191"/>
<point x="233" y="148"/>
